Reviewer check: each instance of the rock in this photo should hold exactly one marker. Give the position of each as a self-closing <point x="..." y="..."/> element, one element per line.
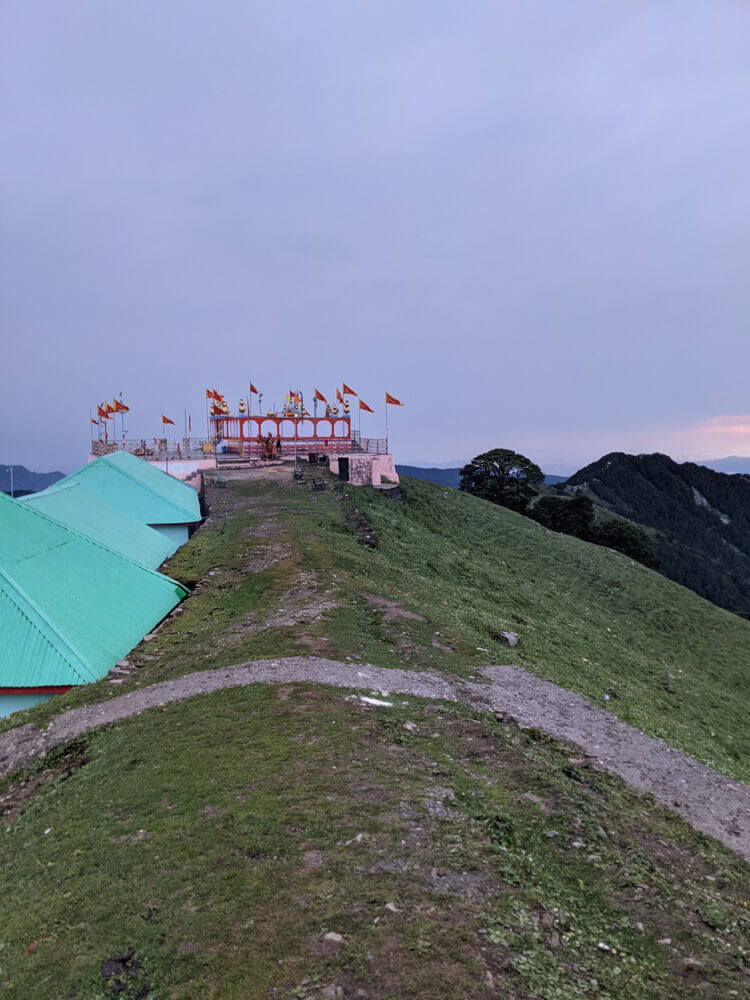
<point x="577" y="843"/>
<point x="665" y="941"/>
<point x="333" y="937"/>
<point x="410" y="726"/>
<point x="552" y="833"/>
<point x="332" y="992"/>
<point x="640" y="928"/>
<point x="392" y="907"/>
<point x="510" y="637"/>
<point x="554" y="940"/>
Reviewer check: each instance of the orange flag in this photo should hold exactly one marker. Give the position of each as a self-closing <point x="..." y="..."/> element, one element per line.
<point x="347" y="391"/>
<point x="392" y="400"/>
<point x="101" y="412"/>
<point x="339" y="397"/>
<point x="363" y="406"/>
<point x="166" y="420"/>
<point x="320" y="396"/>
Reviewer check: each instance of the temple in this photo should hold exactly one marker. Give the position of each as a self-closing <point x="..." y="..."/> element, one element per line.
<point x="327" y="440"/>
<point x="245" y="439"/>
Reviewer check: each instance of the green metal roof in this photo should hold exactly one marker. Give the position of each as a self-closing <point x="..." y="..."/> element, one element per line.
<point x="138" y="489"/>
<point x="74" y="505"/>
<point x="70" y="607"/>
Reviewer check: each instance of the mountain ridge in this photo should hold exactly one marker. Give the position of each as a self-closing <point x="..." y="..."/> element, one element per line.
<point x="699" y="519"/>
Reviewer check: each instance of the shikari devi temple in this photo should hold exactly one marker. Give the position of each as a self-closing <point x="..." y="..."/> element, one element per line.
<point x="243" y="438"/>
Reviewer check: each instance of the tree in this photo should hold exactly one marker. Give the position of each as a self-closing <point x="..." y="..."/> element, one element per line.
<point x="503" y="477"/>
<point x="628" y="539"/>
<point x="573" y="517"/>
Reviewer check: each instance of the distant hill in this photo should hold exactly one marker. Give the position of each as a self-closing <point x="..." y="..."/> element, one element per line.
<point x="443" y="477"/>
<point x="450" y="477"/>
<point x="732" y="466"/>
<point x="25" y="481"/>
<point x="700" y="519"/>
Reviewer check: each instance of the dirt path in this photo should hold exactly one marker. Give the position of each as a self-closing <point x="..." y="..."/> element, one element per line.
<point x="711" y="802"/>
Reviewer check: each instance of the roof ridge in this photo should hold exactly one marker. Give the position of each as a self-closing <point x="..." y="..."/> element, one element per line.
<point x="97" y="543"/>
<point x="135" y="479"/>
<point x="36" y="613"/>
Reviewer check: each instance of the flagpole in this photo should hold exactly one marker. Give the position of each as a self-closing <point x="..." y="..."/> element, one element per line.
<point x="386" y="429"/>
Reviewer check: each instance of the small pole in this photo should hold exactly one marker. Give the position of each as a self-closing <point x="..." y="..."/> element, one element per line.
<point x="386" y="428"/>
<point x="12" y="488"/>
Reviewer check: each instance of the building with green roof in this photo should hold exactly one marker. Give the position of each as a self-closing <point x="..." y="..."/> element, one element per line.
<point x="142" y="492"/>
<point x="74" y="505"/>
<point x="70" y="607"/>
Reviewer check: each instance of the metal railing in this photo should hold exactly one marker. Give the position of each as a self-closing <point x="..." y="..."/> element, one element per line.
<point x="369" y="446"/>
<point x="158" y="449"/>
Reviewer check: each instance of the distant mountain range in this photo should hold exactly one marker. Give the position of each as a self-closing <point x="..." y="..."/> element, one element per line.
<point x="25" y="481"/>
<point x="699" y="519"/>
<point x="450" y="477"/>
<point x="734" y="465"/>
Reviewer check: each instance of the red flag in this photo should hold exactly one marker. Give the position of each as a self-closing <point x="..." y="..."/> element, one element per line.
<point x="392" y="400"/>
<point x="339" y="397"/>
<point x="348" y="391"/>
<point x="209" y="394"/>
<point x="101" y="412"/>
<point x="363" y="406"/>
<point x="108" y="408"/>
<point x="253" y="389"/>
<point x="320" y="396"/>
<point x="166" y="420"/>
<point x="94" y="421"/>
<point x="122" y="407"/>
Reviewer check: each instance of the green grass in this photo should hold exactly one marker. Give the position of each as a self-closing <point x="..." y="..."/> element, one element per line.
<point x="674" y="665"/>
<point x="221" y="838"/>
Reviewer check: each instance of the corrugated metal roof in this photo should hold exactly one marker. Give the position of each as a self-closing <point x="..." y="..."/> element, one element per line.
<point x="70" y="607"/>
<point x="74" y="505"/>
<point x="138" y="489"/>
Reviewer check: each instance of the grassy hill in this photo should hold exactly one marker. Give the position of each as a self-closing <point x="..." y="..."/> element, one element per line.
<point x="700" y="518"/>
<point x="208" y="849"/>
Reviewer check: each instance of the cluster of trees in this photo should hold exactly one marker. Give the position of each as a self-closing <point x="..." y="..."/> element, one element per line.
<point x="504" y="477"/>
<point x="577" y="516"/>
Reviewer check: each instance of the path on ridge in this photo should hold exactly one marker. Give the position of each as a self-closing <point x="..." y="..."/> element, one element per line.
<point x="709" y="801"/>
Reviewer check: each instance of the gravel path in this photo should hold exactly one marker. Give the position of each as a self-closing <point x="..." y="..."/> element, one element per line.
<point x="711" y="802"/>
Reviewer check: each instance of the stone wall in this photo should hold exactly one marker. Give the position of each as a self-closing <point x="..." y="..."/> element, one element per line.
<point x="367" y="470"/>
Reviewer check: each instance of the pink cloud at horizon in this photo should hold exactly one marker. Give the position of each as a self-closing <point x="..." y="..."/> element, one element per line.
<point x="709" y="438"/>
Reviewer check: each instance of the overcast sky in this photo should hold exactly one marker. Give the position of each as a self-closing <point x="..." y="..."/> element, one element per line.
<point x="528" y="220"/>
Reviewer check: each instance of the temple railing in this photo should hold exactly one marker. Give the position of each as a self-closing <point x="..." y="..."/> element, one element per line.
<point x="157" y="449"/>
<point x="368" y="446"/>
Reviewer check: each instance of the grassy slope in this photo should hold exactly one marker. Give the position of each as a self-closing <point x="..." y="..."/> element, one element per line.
<point x="222" y="838"/>
<point x="590" y="619"/>
<point x="211" y="836"/>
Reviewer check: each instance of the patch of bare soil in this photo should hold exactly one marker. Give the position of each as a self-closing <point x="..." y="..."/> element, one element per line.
<point x="301" y="604"/>
<point x="58" y="766"/>
<point x="391" y="609"/>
